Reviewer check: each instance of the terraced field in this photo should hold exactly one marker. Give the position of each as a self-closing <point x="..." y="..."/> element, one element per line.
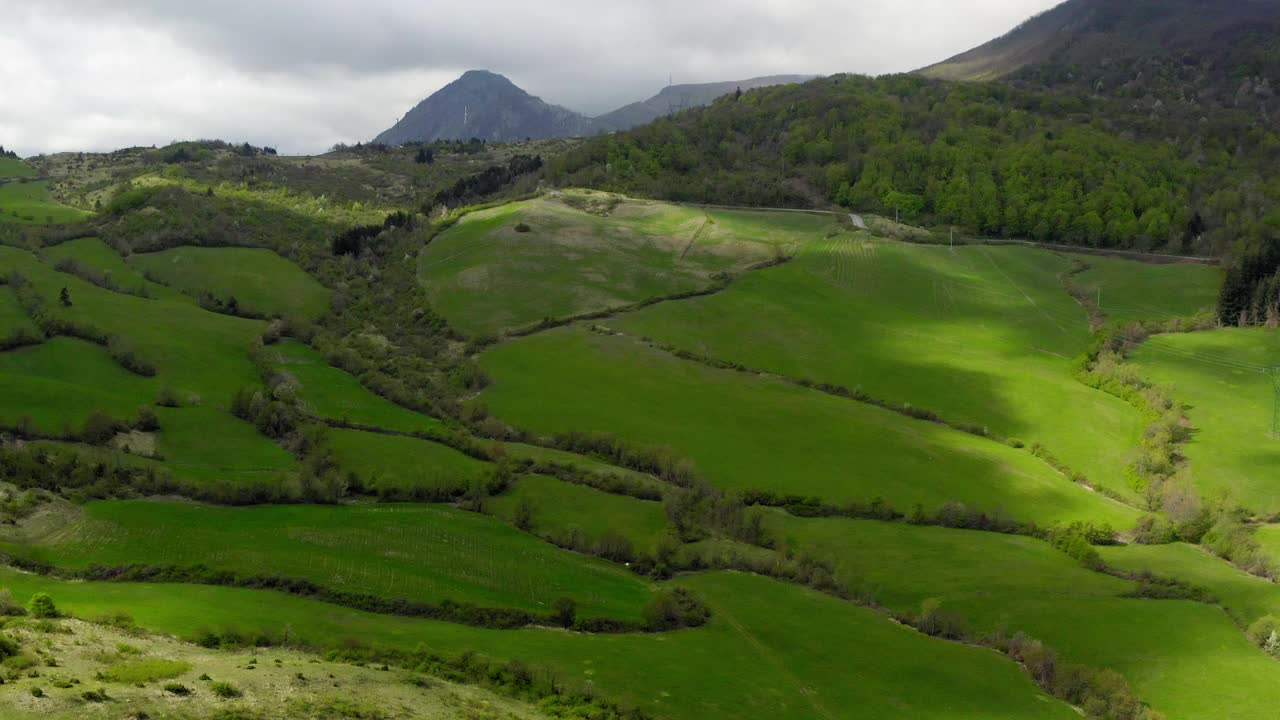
<point x="1222" y="377"/>
<point x="63" y="381"/>
<point x="980" y="335"/>
<point x="771" y="651"/>
<point x="747" y="433"/>
<point x="994" y="581"/>
<point x="335" y="395"/>
<point x="486" y="276"/>
<point x="391" y="463"/>
<point x="261" y="282"/>
<point x="715" y="355"/>
<point x="370" y="549"/>
<point x="1132" y="291"/>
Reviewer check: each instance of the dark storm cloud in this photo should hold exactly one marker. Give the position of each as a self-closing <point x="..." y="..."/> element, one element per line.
<point x="306" y="74"/>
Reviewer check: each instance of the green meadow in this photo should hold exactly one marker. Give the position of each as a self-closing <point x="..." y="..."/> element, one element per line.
<point x="262" y="282"/>
<point x="1245" y="597"/>
<point x="980" y="335"/>
<point x="95" y="254"/>
<point x="209" y="364"/>
<point x="405" y="464"/>
<point x="427" y="553"/>
<point x="1221" y="377"/>
<point x="334" y="394"/>
<point x="1187" y="659"/>
<point x="30" y="203"/>
<point x="1132" y="291"/>
<point x="561" y="510"/>
<point x="13" y="319"/>
<point x="487" y="277"/>
<point x="771" y="651"/>
<point x="210" y="446"/>
<point x="745" y="432"/>
<point x="11" y="168"/>
<point x="63" y="381"/>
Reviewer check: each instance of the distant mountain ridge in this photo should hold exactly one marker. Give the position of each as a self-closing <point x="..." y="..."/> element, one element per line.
<point x="488" y="106"/>
<point x="1194" y="53"/>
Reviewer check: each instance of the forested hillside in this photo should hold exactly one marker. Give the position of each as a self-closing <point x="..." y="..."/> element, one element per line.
<point x="990" y="159"/>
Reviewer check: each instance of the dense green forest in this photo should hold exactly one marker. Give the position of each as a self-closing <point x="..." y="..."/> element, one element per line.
<point x="990" y="159"/>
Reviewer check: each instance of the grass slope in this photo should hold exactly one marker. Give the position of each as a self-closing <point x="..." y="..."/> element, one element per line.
<point x="403" y="463"/>
<point x="1221" y="376"/>
<point x="422" y="552"/>
<point x="94" y="253"/>
<point x="11" y="168"/>
<point x="276" y="683"/>
<point x="63" y="381"/>
<point x="30" y="203"/>
<point x="1244" y="596"/>
<point x="754" y="433"/>
<point x="334" y="394"/>
<point x="212" y="360"/>
<point x="486" y="277"/>
<point x="982" y="335"/>
<point x="1132" y="291"/>
<point x="562" y="510"/>
<point x="13" y="319"/>
<point x="1187" y="659"/>
<point x="262" y="282"/>
<point x="771" y="651"/>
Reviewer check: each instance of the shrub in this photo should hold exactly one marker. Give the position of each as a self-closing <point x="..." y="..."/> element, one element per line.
<point x="673" y="609"/>
<point x="41" y="606"/>
<point x="99" y="429"/>
<point x="225" y="690"/>
<point x="174" y="688"/>
<point x="97" y="696"/>
<point x="37" y="692"/>
<point x="8" y="647"/>
<point x="523" y="227"/>
<point x="7" y="606"/>
<point x="564" y="611"/>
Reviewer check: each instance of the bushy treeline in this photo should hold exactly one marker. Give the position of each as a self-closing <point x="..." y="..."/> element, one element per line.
<point x="991" y="159"/>
<point x="101" y="278"/>
<point x="661" y="462"/>
<point x="478" y="187"/>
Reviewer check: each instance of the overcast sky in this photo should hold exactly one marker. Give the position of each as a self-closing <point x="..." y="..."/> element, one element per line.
<point x="304" y="74"/>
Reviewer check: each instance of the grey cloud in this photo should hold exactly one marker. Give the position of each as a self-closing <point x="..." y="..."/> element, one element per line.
<point x="351" y="69"/>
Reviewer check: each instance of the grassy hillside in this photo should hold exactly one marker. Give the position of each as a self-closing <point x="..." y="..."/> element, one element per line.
<point x="980" y="335"/>
<point x="13" y="319"/>
<point x="745" y="432"/>
<point x="334" y="394"/>
<point x="487" y="276"/>
<point x="29" y="202"/>
<point x="63" y="381"/>
<point x="11" y="168"/>
<point x="1186" y="659"/>
<point x="1221" y="376"/>
<point x="261" y="282"/>
<point x="575" y="514"/>
<point x="405" y="466"/>
<point x="375" y="550"/>
<point x="771" y="651"/>
<point x="134" y="669"/>
<point x="1132" y="291"/>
